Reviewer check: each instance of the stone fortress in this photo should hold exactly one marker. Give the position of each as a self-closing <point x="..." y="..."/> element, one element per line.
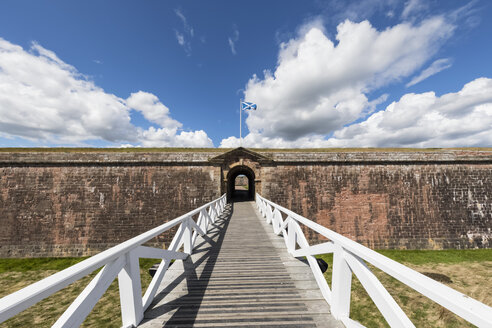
<point x="81" y="202"/>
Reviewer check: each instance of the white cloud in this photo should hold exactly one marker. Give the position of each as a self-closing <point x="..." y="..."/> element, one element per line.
<point x="162" y="137"/>
<point x="413" y="7"/>
<point x="46" y="100"/>
<point x="461" y="119"/>
<point x="180" y="38"/>
<point x="358" y="10"/>
<point x="436" y="67"/>
<point x="232" y="40"/>
<point x="152" y="109"/>
<point x="184" y="37"/>
<point x="187" y="27"/>
<point x="456" y="119"/>
<point x="319" y="86"/>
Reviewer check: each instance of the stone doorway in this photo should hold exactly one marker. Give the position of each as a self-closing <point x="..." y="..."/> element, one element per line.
<point x="236" y="192"/>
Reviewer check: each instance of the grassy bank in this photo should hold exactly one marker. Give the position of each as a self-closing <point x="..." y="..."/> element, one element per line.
<point x="18" y="273"/>
<point x="467" y="271"/>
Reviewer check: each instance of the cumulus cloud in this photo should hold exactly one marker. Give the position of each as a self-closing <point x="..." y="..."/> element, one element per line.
<point x="436" y="67"/>
<point x="456" y="119"/>
<point x="319" y="86"/>
<point x="152" y="109"/>
<point x="44" y="99"/>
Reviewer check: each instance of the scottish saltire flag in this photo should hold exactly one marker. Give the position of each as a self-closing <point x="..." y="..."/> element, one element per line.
<point x="248" y="105"/>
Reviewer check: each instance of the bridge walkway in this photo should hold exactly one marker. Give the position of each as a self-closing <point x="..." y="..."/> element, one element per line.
<point x="240" y="275"/>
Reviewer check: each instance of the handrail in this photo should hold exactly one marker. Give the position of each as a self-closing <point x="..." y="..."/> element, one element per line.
<point x="122" y="261"/>
<point x="349" y="257"/>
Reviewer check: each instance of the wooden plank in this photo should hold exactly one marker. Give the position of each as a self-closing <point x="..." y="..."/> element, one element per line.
<point x="246" y="277"/>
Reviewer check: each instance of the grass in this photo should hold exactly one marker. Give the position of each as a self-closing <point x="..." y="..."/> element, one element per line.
<point x="18" y="273"/>
<point x="223" y="150"/>
<point x="468" y="271"/>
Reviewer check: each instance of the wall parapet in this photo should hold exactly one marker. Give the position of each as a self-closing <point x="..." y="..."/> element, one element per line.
<point x="393" y="157"/>
<point x="103" y="159"/>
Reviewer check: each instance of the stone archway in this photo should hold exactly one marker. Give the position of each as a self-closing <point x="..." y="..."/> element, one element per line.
<point x="232" y="193"/>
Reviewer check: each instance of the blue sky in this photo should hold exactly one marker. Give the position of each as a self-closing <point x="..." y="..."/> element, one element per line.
<point x="171" y="73"/>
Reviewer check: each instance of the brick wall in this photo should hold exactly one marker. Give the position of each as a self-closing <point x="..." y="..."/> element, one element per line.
<point x="71" y="210"/>
<point x="416" y="203"/>
<point x="71" y="204"/>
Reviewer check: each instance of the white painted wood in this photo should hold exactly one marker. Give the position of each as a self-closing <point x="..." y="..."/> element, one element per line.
<point x="188" y="247"/>
<point x="276" y="221"/>
<point x="196" y="227"/>
<point x="76" y="313"/>
<point x="203" y="221"/>
<point x="211" y="214"/>
<point x="390" y="310"/>
<point x="16" y="302"/>
<point x="161" y="270"/>
<point x="195" y="233"/>
<point x="157" y="253"/>
<point x="349" y="323"/>
<point x="313" y="264"/>
<point x="269" y="214"/>
<point x="323" y="248"/>
<point x="130" y="291"/>
<point x="466" y="307"/>
<point x="291" y="239"/>
<point x="283" y="231"/>
<point x="341" y="284"/>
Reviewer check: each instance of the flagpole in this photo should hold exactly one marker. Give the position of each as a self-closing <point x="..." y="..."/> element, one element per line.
<point x="240" y="124"/>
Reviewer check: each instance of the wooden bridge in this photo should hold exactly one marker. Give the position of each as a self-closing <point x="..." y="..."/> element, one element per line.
<point x="240" y="274"/>
<point x="231" y="270"/>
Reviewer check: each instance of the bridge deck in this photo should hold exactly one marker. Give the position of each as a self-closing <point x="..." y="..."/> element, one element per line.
<point x="246" y="278"/>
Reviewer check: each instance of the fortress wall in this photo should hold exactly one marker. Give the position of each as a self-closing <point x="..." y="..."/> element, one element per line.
<point x="72" y="204"/>
<point x="81" y="204"/>
<point x="392" y="200"/>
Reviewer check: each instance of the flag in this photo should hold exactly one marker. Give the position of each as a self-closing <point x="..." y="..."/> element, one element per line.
<point x="248" y="105"/>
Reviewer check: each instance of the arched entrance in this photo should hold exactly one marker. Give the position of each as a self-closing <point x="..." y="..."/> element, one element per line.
<point x="236" y="194"/>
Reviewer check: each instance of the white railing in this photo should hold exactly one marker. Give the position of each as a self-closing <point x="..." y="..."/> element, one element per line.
<point x="350" y="258"/>
<point x="119" y="261"/>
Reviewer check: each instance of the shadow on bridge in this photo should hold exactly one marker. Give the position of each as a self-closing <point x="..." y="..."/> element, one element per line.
<point x="241" y="196"/>
<point x="197" y="272"/>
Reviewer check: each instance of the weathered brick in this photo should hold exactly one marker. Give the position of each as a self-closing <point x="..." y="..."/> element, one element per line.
<point x="72" y="204"/>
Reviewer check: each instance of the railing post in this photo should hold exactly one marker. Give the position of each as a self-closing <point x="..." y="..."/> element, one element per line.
<point x="187" y="236"/>
<point x="204" y="221"/>
<point x="269" y="214"/>
<point x="341" y="284"/>
<point x="291" y="235"/>
<point x="130" y="291"/>
<point x="211" y="214"/>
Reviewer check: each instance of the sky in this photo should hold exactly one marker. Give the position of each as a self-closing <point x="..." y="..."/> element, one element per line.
<point x="367" y="73"/>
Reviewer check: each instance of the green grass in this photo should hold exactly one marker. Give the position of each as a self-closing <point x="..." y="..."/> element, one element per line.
<point x="18" y="273"/>
<point x="449" y="256"/>
<point x="469" y="271"/>
<point x="38" y="264"/>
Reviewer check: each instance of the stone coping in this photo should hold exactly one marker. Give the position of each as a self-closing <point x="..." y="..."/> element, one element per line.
<point x="19" y="158"/>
